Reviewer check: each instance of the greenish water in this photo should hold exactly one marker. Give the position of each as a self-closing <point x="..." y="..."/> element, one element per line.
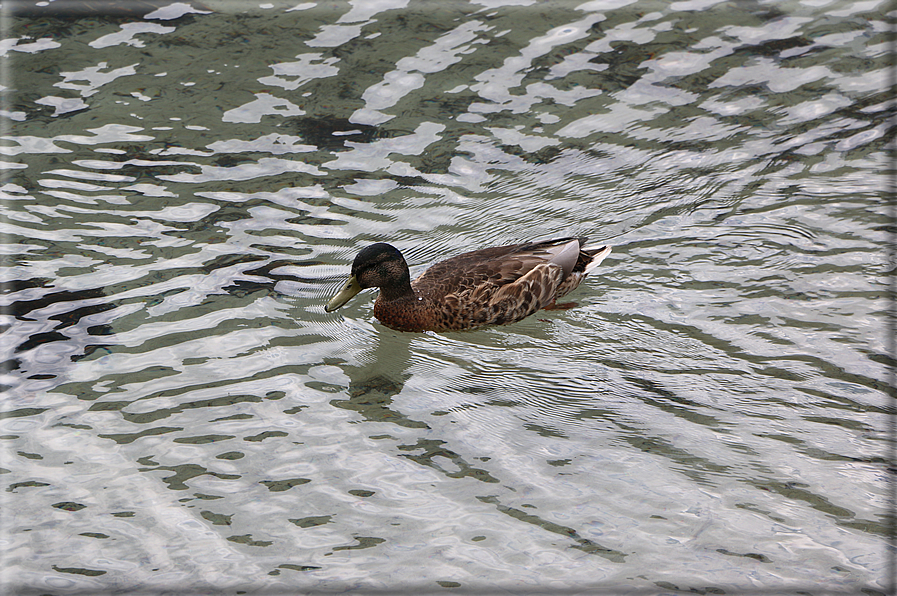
<point x="185" y="188"/>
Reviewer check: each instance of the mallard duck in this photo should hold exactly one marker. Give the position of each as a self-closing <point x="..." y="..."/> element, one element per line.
<point x="492" y="286"/>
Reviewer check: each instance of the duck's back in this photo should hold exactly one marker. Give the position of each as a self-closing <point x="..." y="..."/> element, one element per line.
<point x="497" y="265"/>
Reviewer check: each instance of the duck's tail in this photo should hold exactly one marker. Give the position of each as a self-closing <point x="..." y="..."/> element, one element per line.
<point x="597" y="255"/>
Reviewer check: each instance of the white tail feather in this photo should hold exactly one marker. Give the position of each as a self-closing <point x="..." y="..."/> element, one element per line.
<point x="596" y="260"/>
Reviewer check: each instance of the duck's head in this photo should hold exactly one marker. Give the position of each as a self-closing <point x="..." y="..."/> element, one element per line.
<point x="379" y="265"/>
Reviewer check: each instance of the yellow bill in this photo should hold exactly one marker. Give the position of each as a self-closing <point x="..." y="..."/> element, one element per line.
<point x="349" y="290"/>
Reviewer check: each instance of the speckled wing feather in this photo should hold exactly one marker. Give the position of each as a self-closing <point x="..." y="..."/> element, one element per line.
<point x="497" y="285"/>
<point x="521" y="298"/>
<point x="494" y="266"/>
<point x="499" y="304"/>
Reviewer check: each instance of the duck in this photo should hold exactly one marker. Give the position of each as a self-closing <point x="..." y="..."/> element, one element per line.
<point x="491" y="286"/>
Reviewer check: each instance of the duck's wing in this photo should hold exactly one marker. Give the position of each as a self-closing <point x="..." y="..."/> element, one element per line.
<point x="519" y="299"/>
<point x="495" y="267"/>
<point x="499" y="285"/>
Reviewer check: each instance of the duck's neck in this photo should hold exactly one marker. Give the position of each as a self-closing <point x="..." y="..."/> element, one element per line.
<point x="405" y="311"/>
<point x="401" y="291"/>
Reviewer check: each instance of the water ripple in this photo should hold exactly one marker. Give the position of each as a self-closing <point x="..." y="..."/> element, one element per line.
<point x="187" y="186"/>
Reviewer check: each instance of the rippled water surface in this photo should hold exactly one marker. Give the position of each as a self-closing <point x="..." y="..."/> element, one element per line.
<point x="186" y="186"/>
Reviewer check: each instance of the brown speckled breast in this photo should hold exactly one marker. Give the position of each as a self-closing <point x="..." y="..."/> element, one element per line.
<point x="406" y="314"/>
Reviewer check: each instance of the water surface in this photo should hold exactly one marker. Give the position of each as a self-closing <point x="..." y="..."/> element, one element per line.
<point x="186" y="185"/>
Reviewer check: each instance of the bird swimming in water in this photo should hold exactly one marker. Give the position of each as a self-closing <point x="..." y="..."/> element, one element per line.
<point x="491" y="286"/>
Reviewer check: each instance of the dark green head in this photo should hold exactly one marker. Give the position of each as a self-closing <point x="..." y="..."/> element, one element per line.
<point x="379" y="265"/>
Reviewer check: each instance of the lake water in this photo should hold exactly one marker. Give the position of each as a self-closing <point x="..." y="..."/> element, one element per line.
<point x="186" y="186"/>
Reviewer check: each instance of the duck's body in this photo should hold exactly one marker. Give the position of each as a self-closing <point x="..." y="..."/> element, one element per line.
<point x="492" y="286"/>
